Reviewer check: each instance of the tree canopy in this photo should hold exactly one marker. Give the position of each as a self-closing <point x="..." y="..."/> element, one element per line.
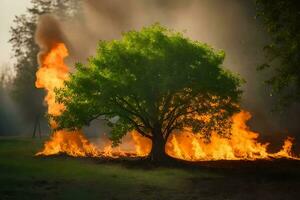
<point x="282" y="21"/>
<point x="155" y="81"/>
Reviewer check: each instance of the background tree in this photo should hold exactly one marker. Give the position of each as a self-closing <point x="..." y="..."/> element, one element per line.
<point x="6" y="111"/>
<point x="155" y="81"/>
<point x="282" y="21"/>
<point x="27" y="97"/>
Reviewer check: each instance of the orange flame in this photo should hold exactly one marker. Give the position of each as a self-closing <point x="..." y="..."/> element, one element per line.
<point x="242" y="145"/>
<point x="73" y="143"/>
<point x="52" y="74"/>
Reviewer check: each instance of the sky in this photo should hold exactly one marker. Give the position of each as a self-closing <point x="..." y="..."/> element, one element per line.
<point x="8" y="9"/>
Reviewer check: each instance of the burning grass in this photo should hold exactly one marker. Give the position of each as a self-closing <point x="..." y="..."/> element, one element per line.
<point x="242" y="145"/>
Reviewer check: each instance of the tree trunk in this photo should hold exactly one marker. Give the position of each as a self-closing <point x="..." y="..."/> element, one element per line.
<point x="158" y="153"/>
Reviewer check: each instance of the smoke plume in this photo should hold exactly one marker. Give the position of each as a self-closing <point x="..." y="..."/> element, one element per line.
<point x="48" y="33"/>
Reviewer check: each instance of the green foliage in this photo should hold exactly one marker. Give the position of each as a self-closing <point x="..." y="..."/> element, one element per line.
<point x="154" y="81"/>
<point x="281" y="19"/>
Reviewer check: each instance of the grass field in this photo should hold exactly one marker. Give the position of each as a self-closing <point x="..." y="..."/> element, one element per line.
<point x="24" y="176"/>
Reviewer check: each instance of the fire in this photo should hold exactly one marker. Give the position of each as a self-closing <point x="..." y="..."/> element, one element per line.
<point x="77" y="145"/>
<point x="286" y="151"/>
<point x="52" y="74"/>
<point x="242" y="145"/>
<point x="73" y="143"/>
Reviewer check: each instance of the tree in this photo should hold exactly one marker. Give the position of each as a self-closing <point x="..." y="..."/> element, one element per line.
<point x="28" y="98"/>
<point x="6" y="111"/>
<point x="155" y="81"/>
<point x="282" y="21"/>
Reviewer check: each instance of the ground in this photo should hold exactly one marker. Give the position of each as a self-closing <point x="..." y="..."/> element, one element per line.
<point x="24" y="176"/>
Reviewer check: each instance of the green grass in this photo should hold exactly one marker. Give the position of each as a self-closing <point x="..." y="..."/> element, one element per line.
<point x="24" y="176"/>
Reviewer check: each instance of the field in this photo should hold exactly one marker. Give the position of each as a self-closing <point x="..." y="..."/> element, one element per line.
<point x="24" y="176"/>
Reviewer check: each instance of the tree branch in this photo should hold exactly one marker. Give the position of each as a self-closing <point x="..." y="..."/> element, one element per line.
<point x="138" y="127"/>
<point x="146" y="123"/>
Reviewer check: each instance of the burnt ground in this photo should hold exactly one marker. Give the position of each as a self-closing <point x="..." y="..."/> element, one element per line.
<point x="24" y="176"/>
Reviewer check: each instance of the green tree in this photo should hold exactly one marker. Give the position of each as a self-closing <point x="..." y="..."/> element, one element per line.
<point x="281" y="19"/>
<point x="155" y="81"/>
<point x="7" y="126"/>
<point x="28" y="98"/>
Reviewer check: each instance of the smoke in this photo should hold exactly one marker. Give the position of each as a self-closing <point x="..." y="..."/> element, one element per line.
<point x="48" y="33"/>
<point x="229" y="25"/>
